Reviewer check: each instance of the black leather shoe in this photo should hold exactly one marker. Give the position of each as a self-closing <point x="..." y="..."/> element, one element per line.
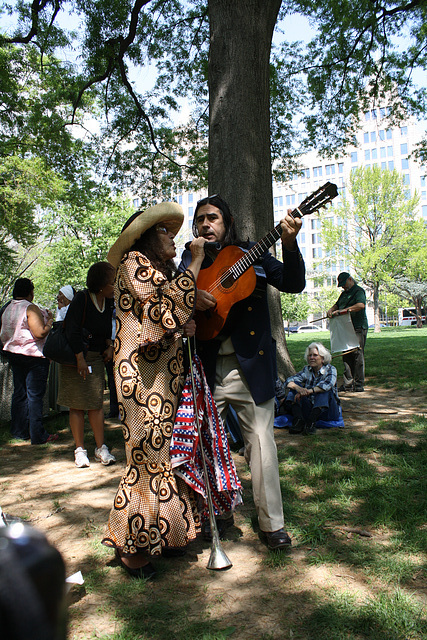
<point x="277" y="539"/>
<point x="309" y="429"/>
<point x="221" y="524"/>
<point x="298" y="426"/>
<point x="146" y="572"/>
<point x="343" y="389"/>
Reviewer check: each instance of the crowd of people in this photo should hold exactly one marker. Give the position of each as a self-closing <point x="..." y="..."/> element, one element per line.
<point x="155" y="305"/>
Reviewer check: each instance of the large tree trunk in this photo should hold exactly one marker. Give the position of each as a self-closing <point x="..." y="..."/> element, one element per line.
<point x="239" y="128"/>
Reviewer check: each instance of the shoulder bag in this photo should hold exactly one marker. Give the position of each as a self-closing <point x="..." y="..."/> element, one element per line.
<point x="57" y="347"/>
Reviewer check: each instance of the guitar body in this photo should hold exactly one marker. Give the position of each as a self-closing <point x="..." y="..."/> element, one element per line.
<point x="226" y="289"/>
<point x="232" y="278"/>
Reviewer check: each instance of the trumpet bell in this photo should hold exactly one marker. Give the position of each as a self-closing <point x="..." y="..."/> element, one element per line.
<point x="218" y="559"/>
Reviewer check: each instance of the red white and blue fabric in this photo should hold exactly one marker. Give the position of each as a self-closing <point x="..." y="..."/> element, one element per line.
<point x="185" y="453"/>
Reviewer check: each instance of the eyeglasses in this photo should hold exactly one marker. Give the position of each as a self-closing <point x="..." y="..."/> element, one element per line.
<point x="215" y="195"/>
<point x="161" y="229"/>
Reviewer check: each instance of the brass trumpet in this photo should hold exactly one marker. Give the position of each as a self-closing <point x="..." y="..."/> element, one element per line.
<point x="218" y="559"/>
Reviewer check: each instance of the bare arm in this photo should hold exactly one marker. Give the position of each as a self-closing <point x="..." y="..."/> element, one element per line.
<point x="204" y="299"/>
<point x="39" y="329"/>
<point x="358" y="306"/>
<point x="330" y="311"/>
<point x="197" y="255"/>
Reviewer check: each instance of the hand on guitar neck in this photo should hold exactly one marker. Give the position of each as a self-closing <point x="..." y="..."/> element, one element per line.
<point x="231" y="278"/>
<point x="291" y="226"/>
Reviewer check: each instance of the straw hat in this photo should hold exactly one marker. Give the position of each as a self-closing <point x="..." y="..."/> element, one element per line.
<point x="168" y="213"/>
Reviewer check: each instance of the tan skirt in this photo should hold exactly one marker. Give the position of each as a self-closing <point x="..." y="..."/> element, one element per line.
<point x="79" y="393"/>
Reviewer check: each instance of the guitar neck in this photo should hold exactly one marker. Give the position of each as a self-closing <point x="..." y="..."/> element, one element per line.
<point x="318" y="199"/>
<point x="256" y="252"/>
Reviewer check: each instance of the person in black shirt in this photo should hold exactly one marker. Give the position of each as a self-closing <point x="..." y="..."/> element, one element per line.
<point x="88" y="329"/>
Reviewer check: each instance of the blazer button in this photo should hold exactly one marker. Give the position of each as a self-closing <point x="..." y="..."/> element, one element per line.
<point x="252" y="333"/>
<point x="249" y="308"/>
<point x="261" y="353"/>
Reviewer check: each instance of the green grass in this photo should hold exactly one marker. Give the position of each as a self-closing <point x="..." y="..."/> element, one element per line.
<point x="393" y="358"/>
<point x="394" y="616"/>
<point x="371" y="480"/>
<point x="362" y="481"/>
<point x="370" y="483"/>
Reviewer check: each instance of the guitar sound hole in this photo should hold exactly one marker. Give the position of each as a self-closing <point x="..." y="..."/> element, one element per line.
<point x="228" y="282"/>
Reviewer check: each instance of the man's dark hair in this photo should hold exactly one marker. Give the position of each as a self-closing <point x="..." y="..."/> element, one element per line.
<point x="99" y="275"/>
<point x="230" y="228"/>
<point x="22" y="288"/>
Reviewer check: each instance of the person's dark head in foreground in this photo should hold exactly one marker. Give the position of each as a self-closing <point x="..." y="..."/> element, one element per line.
<point x="32" y="586"/>
<point x="22" y="288"/>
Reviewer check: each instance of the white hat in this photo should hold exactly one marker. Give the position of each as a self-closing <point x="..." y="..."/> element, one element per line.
<point x="68" y="292"/>
<point x="168" y="213"/>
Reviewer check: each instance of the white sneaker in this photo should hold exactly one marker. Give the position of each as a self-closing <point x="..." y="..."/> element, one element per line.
<point x="80" y="456"/>
<point x="103" y="455"/>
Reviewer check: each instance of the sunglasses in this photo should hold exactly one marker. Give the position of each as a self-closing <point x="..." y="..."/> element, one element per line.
<point x="215" y="195"/>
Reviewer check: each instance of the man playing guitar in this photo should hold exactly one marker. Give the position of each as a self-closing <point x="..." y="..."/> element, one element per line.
<point x="240" y="360"/>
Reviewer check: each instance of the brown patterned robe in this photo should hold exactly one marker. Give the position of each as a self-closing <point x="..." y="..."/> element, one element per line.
<point x="152" y="507"/>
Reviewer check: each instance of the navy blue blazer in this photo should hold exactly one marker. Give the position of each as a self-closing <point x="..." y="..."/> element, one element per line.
<point x="248" y="323"/>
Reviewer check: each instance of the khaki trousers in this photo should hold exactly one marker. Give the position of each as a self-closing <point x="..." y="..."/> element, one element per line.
<point x="257" y="426"/>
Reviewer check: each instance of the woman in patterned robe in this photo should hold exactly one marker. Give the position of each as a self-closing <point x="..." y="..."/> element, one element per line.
<point x="152" y="512"/>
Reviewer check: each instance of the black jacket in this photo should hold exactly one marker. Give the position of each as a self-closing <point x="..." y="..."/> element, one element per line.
<point x="248" y="323"/>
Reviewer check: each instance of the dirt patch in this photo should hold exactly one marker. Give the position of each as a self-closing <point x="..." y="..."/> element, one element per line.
<point x="253" y="598"/>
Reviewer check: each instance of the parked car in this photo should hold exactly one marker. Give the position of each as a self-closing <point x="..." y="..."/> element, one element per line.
<point x="309" y="327"/>
<point x="290" y="329"/>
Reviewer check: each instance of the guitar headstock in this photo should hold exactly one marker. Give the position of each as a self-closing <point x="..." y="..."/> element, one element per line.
<point x="316" y="200"/>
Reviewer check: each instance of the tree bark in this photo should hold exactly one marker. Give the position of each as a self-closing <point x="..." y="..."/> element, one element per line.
<point x="418" y="311"/>
<point x="239" y="124"/>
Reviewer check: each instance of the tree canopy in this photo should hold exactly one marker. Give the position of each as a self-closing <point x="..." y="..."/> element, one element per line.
<point x="375" y="228"/>
<point x="362" y="52"/>
<point x="92" y="90"/>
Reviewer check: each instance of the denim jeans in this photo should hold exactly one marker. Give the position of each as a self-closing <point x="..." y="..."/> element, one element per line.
<point x="29" y="380"/>
<point x="325" y="402"/>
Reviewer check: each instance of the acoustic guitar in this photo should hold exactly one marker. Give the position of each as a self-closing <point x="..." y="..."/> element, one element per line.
<point x="232" y="278"/>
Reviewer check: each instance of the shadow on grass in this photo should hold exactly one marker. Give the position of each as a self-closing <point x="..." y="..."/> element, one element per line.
<point x="375" y="484"/>
<point x="385" y="617"/>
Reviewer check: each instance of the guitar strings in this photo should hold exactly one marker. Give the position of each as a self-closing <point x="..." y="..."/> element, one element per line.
<point x="256" y="251"/>
<point x="327" y="192"/>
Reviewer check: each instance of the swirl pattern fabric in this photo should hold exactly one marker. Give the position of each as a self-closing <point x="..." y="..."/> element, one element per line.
<point x="185" y="453"/>
<point x="153" y="508"/>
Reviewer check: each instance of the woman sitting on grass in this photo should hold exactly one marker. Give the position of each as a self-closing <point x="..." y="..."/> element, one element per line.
<point x="312" y="393"/>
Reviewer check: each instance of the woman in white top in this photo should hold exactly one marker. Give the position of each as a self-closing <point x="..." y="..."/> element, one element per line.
<point x="64" y="297"/>
<point x="23" y="332"/>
